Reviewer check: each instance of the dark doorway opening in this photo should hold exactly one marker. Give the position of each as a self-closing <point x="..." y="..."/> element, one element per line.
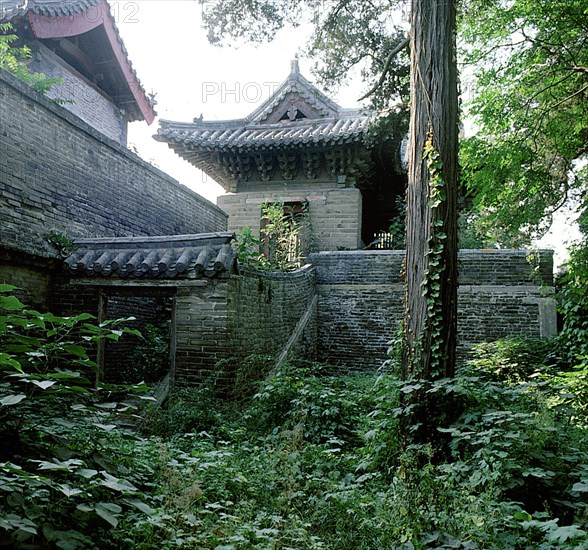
<point x="131" y="359"/>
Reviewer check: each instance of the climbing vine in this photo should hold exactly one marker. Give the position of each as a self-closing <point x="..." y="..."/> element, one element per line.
<point x="436" y="245"/>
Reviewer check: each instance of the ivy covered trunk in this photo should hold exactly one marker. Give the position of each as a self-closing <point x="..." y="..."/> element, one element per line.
<point x="430" y="316"/>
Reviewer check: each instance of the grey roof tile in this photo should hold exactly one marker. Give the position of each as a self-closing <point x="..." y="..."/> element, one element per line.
<point x="9" y="9"/>
<point x="334" y="125"/>
<point x="51" y="8"/>
<point x="187" y="256"/>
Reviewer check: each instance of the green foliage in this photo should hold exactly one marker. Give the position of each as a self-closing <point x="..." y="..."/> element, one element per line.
<point x="62" y="243"/>
<point x="573" y="304"/>
<point x="300" y="457"/>
<point x="281" y="233"/>
<point x="14" y="60"/>
<point x="529" y="103"/>
<point x="150" y="358"/>
<point x="60" y="484"/>
<point x="284" y="239"/>
<point x="248" y="248"/>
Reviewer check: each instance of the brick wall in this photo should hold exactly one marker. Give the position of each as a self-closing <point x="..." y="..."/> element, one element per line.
<point x="201" y="325"/>
<point x="265" y="308"/>
<point x="361" y="292"/>
<point x="30" y="274"/>
<point x="335" y="214"/>
<point x="59" y="174"/>
<point x="80" y="96"/>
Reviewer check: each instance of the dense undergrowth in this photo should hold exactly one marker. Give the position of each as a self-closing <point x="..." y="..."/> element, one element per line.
<point x="302" y="458"/>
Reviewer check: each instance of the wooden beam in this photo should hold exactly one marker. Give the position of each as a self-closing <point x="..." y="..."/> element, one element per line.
<point x="74" y="51"/>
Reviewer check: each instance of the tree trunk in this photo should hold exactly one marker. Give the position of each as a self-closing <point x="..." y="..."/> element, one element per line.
<point x="430" y="314"/>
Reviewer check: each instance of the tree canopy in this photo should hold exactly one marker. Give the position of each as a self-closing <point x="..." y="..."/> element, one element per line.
<point x="529" y="60"/>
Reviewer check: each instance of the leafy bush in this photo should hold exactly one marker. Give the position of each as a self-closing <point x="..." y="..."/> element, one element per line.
<point x="150" y="359"/>
<point x="60" y="484"/>
<point x="573" y="305"/>
<point x="296" y="458"/>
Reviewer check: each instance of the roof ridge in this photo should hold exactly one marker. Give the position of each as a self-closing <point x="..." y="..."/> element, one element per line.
<point x="298" y="83"/>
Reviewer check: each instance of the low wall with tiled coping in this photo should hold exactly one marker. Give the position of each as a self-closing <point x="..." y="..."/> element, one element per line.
<point x="360" y="301"/>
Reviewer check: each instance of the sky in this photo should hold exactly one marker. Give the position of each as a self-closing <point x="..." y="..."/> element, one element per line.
<point x="170" y="52"/>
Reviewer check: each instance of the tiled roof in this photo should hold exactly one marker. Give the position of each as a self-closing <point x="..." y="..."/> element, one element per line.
<point x="9" y="9"/>
<point x="296" y="83"/>
<point x="218" y="136"/>
<point x="50" y="8"/>
<point x="329" y="125"/>
<point x="184" y="256"/>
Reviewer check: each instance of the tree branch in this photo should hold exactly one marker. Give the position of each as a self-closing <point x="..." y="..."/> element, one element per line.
<point x="386" y="67"/>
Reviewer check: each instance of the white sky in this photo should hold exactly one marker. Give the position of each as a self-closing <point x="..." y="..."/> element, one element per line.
<point x="172" y="57"/>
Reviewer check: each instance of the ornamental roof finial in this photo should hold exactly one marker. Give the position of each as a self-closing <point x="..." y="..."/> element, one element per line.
<point x="294" y="68"/>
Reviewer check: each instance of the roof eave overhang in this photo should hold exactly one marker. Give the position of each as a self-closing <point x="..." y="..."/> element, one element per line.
<point x="45" y="27"/>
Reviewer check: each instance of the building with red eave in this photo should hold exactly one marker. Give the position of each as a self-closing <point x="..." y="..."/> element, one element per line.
<point x="78" y="41"/>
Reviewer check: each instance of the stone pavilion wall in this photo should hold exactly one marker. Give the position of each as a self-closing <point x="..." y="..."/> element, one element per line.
<point x="335" y="213"/>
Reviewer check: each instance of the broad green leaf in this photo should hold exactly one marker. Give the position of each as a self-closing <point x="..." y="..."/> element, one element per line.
<point x="105" y="427"/>
<point x="12" y="399"/>
<point x="580" y="487"/>
<point x="11" y="303"/>
<point x="69" y="491"/>
<point x="87" y="472"/>
<point x="117" y="484"/>
<point x="45" y="384"/>
<point x="84" y="507"/>
<point x="4" y="288"/>
<point x="108" y="511"/>
<point x="142" y="506"/>
<point x="562" y="534"/>
<point x="67" y="465"/>
<point x="78" y="351"/>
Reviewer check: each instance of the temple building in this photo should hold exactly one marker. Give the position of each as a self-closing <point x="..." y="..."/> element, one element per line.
<point x="78" y="42"/>
<point x="302" y="149"/>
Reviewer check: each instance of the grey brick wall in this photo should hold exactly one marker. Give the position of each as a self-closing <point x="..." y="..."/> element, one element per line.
<point x="335" y="214"/>
<point x="80" y="96"/>
<point x="265" y="308"/>
<point x="57" y="173"/>
<point x="361" y="292"/>
<point x="201" y="321"/>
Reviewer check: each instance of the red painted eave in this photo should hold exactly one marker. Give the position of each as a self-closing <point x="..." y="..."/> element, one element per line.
<point x="74" y="25"/>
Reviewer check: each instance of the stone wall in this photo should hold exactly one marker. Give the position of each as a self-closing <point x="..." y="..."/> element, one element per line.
<point x="360" y="301"/>
<point x="335" y="214"/>
<point x="264" y="309"/>
<point x="80" y="96"/>
<point x="201" y="329"/>
<point x="59" y="174"/>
